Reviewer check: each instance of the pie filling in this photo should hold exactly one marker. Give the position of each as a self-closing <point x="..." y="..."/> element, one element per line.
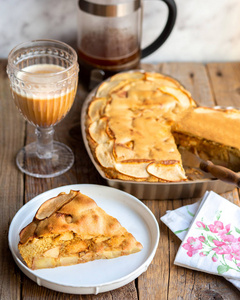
<point x="69" y="248"/>
<point x="209" y="150"/>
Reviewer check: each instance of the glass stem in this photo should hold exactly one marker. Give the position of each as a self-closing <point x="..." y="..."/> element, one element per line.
<point x="44" y="142"/>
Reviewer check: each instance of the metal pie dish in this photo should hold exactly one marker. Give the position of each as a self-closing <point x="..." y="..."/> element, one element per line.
<point x="156" y="190"/>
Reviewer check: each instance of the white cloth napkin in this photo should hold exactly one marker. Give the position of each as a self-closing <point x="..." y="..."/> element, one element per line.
<point x="210" y="234"/>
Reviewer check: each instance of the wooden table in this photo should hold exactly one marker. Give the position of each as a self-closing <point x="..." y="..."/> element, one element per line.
<point x="210" y="84"/>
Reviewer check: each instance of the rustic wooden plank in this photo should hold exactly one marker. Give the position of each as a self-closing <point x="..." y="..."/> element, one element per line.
<point x="232" y="196"/>
<point x="194" y="78"/>
<point x="124" y="293"/>
<point x="225" y="82"/>
<point x="153" y="284"/>
<point x="12" y="129"/>
<point x="151" y="67"/>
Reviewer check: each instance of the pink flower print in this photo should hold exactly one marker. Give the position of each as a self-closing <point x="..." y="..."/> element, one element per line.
<point x="235" y="247"/>
<point x="230" y="250"/>
<point x="200" y="224"/>
<point x="226" y="250"/>
<point x="214" y="258"/>
<point x="222" y="248"/>
<point x="218" y="243"/>
<point x="226" y="229"/>
<point x="225" y="236"/>
<point x="228" y="257"/>
<point x="228" y="238"/>
<point x="218" y="225"/>
<point x="201" y="238"/>
<point x="192" y="245"/>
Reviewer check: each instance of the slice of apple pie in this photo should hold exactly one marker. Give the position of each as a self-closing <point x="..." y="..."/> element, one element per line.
<point x="71" y="229"/>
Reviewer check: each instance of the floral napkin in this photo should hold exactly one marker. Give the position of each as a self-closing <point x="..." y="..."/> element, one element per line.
<point x="210" y="234"/>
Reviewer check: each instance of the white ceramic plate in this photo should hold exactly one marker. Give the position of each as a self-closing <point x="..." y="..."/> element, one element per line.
<point x="101" y="275"/>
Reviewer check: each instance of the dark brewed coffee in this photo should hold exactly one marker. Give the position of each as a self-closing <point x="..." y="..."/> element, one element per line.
<point x="110" y="52"/>
<point x="109" y="37"/>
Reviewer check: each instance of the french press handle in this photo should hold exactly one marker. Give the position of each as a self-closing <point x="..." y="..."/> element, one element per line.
<point x="172" y="14"/>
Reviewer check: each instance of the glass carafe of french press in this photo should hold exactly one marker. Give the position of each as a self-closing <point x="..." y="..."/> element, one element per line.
<point x="109" y="37"/>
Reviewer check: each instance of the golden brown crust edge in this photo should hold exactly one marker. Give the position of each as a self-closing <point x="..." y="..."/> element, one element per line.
<point x="78" y="232"/>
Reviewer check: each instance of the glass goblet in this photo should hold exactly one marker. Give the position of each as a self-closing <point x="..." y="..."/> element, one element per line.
<point x="43" y="78"/>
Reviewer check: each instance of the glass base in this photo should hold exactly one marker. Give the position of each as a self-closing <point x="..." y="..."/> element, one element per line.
<point x="29" y="163"/>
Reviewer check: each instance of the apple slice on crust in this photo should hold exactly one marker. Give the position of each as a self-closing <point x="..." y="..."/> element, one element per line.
<point x="128" y="76"/>
<point x="109" y="87"/>
<point x="53" y="204"/>
<point x="96" y="108"/>
<point x="136" y="168"/>
<point x="170" y="170"/>
<point x="143" y="96"/>
<point x="27" y="232"/>
<point x="123" y="151"/>
<point x="110" y="132"/>
<point x="181" y="95"/>
<point x="104" y="154"/>
<point x="48" y="208"/>
<point x="162" y="80"/>
<point x="98" y="130"/>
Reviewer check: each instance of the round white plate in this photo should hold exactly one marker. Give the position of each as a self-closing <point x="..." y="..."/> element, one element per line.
<point x="100" y="275"/>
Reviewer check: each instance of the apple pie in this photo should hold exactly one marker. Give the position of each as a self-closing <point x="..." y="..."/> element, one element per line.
<point x="129" y="126"/>
<point x="136" y="121"/>
<point x="71" y="229"/>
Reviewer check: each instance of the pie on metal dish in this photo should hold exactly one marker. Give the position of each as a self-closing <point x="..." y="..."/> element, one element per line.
<point x="70" y="229"/>
<point x="134" y="123"/>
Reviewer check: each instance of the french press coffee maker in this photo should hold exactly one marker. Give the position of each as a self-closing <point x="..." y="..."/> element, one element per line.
<point x="109" y="37"/>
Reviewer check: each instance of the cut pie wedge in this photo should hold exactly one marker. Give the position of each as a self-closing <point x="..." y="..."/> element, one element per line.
<point x="77" y="232"/>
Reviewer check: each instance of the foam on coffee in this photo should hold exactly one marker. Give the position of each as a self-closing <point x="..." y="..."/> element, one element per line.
<point x="44" y="103"/>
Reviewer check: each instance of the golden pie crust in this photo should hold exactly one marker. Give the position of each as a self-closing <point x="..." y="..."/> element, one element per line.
<point x="71" y="229"/>
<point x="136" y="121"/>
<point x="212" y="133"/>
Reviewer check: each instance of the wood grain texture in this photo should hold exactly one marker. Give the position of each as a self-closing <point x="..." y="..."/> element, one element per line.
<point x="153" y="284"/>
<point x="194" y="78"/>
<point x="225" y="82"/>
<point x="12" y="132"/>
<point x="209" y="85"/>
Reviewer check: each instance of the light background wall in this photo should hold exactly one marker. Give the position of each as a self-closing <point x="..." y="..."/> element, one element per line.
<point x="205" y="30"/>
